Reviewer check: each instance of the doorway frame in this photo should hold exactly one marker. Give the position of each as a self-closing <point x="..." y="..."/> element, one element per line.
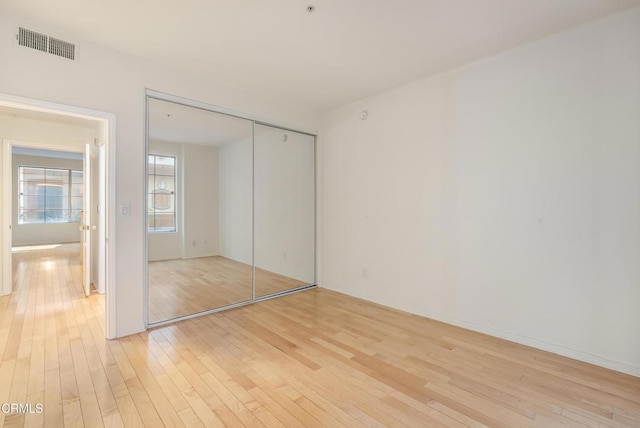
<point x="108" y="174"/>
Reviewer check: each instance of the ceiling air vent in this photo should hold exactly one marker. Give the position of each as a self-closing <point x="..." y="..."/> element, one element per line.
<point x="62" y="48"/>
<point x="33" y="40"/>
<point x="44" y="43"/>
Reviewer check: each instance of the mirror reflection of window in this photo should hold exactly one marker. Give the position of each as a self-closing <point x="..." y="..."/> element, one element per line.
<point x="161" y="199"/>
<point x="162" y="179"/>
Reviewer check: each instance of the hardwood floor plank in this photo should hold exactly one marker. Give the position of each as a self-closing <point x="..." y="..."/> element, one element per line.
<point x="148" y="380"/>
<point x="316" y="358"/>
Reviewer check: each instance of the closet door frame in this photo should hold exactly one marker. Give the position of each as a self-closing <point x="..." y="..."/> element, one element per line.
<point x="157" y="95"/>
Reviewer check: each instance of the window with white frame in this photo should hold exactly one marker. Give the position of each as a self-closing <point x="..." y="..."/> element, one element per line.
<point x="161" y="193"/>
<point x="49" y="195"/>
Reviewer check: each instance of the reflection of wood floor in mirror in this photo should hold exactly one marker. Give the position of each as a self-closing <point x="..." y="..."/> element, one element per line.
<point x="180" y="287"/>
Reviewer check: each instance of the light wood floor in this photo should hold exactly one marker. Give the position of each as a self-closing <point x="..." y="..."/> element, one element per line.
<point x="315" y="358"/>
<point x="182" y="287"/>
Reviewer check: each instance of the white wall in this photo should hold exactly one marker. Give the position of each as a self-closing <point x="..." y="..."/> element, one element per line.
<point x="39" y="234"/>
<point x="105" y="80"/>
<point x="503" y="196"/>
<point x="284" y="203"/>
<point x="236" y="200"/>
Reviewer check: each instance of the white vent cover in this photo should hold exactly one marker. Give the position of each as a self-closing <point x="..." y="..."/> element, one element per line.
<point x="44" y="43"/>
<point x="62" y="48"/>
<point x="33" y="40"/>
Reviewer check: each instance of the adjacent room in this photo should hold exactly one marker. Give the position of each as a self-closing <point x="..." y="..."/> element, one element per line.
<point x="329" y="213"/>
<point x="48" y="193"/>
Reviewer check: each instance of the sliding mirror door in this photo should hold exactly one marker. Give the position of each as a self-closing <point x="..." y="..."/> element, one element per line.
<point x="284" y="204"/>
<point x="199" y="204"/>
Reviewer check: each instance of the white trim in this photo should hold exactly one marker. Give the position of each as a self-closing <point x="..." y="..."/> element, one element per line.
<point x="7" y="218"/>
<point x="44" y="146"/>
<point x="150" y="93"/>
<point x="54" y="108"/>
<point x="110" y="261"/>
<point x="145" y="218"/>
<point x="110" y="230"/>
<point x="102" y="199"/>
<point x="233" y="306"/>
<point x="576" y="354"/>
<point x="253" y="211"/>
<point x="87" y="206"/>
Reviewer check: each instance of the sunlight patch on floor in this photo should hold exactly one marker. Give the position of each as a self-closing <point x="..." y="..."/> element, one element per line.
<point x="25" y="248"/>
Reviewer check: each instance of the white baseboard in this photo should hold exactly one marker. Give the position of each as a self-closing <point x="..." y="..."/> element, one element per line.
<point x="630" y="369"/>
<point x="626" y="368"/>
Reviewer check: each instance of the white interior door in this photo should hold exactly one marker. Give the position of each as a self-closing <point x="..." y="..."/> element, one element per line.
<point x="86" y="222"/>
<point x="7" y="217"/>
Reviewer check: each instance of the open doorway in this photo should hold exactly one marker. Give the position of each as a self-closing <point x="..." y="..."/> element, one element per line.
<point x="55" y="199"/>
<point x="56" y="187"/>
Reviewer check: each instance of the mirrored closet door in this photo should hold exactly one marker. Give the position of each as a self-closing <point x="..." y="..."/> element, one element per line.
<point x="284" y="207"/>
<point x="230" y="210"/>
<point x="199" y="205"/>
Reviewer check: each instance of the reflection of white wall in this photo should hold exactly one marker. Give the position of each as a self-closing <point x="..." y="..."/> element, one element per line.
<point x="38" y="234"/>
<point x="196" y="203"/>
<point x="235" y="220"/>
<point x="284" y="203"/>
<point x="502" y="196"/>
<point x="200" y="173"/>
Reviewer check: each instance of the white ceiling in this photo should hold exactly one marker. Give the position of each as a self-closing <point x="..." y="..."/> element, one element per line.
<point x="343" y="51"/>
